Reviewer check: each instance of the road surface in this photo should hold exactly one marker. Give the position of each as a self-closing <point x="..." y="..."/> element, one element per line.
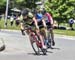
<point x="18" y="48"/>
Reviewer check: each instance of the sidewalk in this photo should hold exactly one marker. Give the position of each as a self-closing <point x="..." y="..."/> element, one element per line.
<point x="9" y="30"/>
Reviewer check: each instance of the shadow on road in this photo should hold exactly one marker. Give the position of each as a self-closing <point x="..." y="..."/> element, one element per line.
<point x="37" y="54"/>
<point x="42" y="53"/>
<point x="55" y="48"/>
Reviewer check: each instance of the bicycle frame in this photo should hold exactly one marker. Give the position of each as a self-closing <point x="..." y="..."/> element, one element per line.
<point x="35" y="40"/>
<point x="33" y="34"/>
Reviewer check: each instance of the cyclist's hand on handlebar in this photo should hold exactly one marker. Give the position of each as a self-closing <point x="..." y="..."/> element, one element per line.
<point x="45" y="27"/>
<point x="37" y="27"/>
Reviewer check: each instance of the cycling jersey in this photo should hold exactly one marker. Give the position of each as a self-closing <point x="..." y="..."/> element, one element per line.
<point x="48" y="18"/>
<point x="39" y="17"/>
<point x="27" y="17"/>
<point x="26" y="22"/>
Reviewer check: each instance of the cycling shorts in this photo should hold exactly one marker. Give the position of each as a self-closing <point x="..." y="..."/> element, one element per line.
<point x="48" y="25"/>
<point x="40" y="24"/>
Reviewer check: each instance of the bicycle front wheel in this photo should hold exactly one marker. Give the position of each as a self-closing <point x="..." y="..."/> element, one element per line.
<point x="33" y="41"/>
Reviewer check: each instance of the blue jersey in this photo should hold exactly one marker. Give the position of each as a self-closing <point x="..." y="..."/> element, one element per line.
<point x="39" y="17"/>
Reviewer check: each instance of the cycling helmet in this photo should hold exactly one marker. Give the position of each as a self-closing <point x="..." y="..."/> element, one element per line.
<point x="25" y="12"/>
<point x="44" y="11"/>
<point x="30" y="15"/>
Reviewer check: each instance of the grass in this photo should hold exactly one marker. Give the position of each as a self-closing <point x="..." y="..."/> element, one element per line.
<point x="56" y="31"/>
<point x="8" y="25"/>
<point x="64" y="32"/>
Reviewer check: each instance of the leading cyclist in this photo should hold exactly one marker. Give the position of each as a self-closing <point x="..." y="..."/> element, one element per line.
<point x="33" y="21"/>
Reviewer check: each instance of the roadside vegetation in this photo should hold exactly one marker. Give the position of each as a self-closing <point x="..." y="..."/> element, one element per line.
<point x="64" y="32"/>
<point x="61" y="11"/>
<point x="56" y="31"/>
<point x="13" y="27"/>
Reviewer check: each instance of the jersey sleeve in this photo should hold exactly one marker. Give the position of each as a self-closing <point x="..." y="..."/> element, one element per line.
<point x="50" y="18"/>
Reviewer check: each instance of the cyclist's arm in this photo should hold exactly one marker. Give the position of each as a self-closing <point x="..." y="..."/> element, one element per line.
<point x="35" y="22"/>
<point x="51" y="21"/>
<point x="44" y="23"/>
<point x="21" y="26"/>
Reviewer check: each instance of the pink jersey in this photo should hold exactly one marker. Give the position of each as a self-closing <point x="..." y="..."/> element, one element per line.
<point x="49" y="17"/>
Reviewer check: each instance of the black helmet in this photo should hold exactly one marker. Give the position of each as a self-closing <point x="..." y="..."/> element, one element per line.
<point x="25" y="12"/>
<point x="44" y="11"/>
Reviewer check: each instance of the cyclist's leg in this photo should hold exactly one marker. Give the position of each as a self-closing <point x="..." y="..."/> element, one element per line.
<point x="44" y="34"/>
<point x="30" y="33"/>
<point x="52" y="36"/>
<point x="41" y="38"/>
<point x="22" y="28"/>
<point x="43" y="30"/>
<point x="50" y="30"/>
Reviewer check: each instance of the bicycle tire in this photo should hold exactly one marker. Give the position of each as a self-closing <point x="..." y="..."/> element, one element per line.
<point x="44" y="51"/>
<point x="38" y="46"/>
<point x="34" y="47"/>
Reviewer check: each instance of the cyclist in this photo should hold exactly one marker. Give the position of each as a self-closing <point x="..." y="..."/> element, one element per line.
<point x="39" y="23"/>
<point x="32" y="22"/>
<point x="49" y="22"/>
<point x="24" y="19"/>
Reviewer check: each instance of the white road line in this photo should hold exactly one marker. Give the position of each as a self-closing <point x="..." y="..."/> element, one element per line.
<point x="65" y="37"/>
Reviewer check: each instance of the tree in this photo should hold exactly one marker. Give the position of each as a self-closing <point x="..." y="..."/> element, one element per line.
<point x="61" y="10"/>
<point x="2" y="6"/>
<point x="24" y="3"/>
<point x="18" y="4"/>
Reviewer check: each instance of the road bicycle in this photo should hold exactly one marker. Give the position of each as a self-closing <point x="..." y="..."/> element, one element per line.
<point x="50" y="42"/>
<point x="35" y="42"/>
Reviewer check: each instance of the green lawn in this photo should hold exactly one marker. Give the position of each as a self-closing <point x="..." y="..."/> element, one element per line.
<point x="8" y="25"/>
<point x="64" y="32"/>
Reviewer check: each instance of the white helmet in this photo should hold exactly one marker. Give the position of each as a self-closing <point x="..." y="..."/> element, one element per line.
<point x="30" y="14"/>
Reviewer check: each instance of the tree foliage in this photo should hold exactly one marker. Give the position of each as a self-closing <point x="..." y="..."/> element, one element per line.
<point x="24" y="3"/>
<point x="61" y="10"/>
<point x="18" y="4"/>
<point x="2" y="5"/>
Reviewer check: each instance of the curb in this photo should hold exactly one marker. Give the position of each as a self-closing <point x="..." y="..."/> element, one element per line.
<point x="61" y="36"/>
<point x="9" y="30"/>
<point x="65" y="37"/>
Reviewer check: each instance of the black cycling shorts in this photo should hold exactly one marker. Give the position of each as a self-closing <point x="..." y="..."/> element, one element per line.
<point x="48" y="25"/>
<point x="40" y="24"/>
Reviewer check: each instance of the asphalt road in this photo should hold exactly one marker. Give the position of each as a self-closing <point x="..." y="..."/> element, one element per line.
<point x="18" y="48"/>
